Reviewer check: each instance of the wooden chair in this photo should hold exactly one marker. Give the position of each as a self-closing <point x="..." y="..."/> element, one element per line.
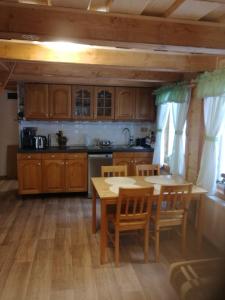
<point x="110" y="171"/>
<point x="147" y="170"/>
<point x="133" y="211"/>
<point x="172" y="209"/>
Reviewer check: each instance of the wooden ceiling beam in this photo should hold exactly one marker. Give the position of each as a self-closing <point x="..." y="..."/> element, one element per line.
<point x="109" y="57"/>
<point x="51" y="23"/>
<point x="172" y="8"/>
<point x="87" y="71"/>
<point x="83" y="81"/>
<point x="6" y="78"/>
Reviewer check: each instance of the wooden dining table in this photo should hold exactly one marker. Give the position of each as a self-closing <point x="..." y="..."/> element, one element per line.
<point x="107" y="189"/>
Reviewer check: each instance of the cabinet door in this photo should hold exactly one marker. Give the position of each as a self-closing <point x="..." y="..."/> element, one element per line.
<point x="145" y="106"/>
<point x="76" y="175"/>
<point x="125" y="161"/>
<point x="60" y="101"/>
<point x="36" y="101"/>
<point x="104" y="103"/>
<point x="82" y="102"/>
<point x="29" y="176"/>
<point x="125" y="103"/>
<point x="53" y="174"/>
<point x="143" y="158"/>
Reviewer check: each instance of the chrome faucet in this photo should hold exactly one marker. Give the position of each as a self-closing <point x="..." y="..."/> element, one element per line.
<point x="131" y="139"/>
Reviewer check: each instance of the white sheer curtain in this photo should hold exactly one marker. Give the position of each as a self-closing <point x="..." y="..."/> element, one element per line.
<point x="214" y="116"/>
<point x="162" y="116"/>
<point x="179" y="111"/>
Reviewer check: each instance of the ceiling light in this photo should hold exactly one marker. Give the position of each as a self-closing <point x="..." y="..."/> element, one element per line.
<point x="63" y="46"/>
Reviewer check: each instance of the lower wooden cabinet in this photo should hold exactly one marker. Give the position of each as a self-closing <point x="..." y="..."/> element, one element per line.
<point x="76" y="173"/>
<point x="29" y="176"/>
<point x="131" y="159"/>
<point x="52" y="173"/>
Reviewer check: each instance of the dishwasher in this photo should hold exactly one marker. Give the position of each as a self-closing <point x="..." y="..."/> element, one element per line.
<point x="95" y="161"/>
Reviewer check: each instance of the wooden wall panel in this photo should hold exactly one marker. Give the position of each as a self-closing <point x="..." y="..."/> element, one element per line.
<point x="195" y="131"/>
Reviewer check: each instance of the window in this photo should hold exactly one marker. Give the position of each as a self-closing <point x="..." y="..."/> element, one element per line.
<point x="221" y="164"/>
<point x="169" y="136"/>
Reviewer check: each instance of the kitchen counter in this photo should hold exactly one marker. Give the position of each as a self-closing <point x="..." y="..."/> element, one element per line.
<point x="88" y="149"/>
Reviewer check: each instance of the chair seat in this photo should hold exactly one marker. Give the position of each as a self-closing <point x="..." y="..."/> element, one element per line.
<point x="132" y="225"/>
<point x="167" y="220"/>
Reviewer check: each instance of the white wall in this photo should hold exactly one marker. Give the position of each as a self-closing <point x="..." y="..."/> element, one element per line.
<point x="83" y="133"/>
<point x="8" y="128"/>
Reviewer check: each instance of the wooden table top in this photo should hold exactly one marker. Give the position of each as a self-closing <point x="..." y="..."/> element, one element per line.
<point x="108" y="187"/>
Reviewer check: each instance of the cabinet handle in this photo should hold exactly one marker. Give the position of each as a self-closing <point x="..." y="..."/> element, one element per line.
<point x="53" y="156"/>
<point x="39" y="164"/>
<point x="28" y="156"/>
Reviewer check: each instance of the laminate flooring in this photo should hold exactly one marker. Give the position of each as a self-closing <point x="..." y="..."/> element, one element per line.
<point x="47" y="252"/>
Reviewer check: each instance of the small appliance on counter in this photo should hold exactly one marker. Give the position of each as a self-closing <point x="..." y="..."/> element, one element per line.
<point x="105" y="143"/>
<point x="143" y="142"/>
<point x="27" y="137"/>
<point x="61" y="139"/>
<point x="40" y="142"/>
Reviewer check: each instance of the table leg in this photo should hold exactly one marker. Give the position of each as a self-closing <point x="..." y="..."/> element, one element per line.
<point x="103" y="233"/>
<point x="94" y="195"/>
<point x="200" y="221"/>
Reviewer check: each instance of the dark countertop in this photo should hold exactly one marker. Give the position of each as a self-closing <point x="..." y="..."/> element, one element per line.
<point x="88" y="149"/>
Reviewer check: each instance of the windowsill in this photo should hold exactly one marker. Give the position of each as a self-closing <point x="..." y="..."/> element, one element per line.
<point x="217" y="199"/>
<point x="220" y="193"/>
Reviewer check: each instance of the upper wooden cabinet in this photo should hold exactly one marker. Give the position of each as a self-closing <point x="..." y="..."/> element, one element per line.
<point x="36" y="101"/>
<point x="144" y="105"/>
<point x="134" y="104"/>
<point x="78" y="102"/>
<point x="104" y="103"/>
<point x="125" y="103"/>
<point x="82" y="102"/>
<point x="59" y="101"/>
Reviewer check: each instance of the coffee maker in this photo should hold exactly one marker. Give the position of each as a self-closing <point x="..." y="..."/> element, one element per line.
<point x="27" y="137"/>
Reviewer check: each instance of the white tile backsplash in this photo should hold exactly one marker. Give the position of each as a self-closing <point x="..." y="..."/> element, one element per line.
<point x="86" y="133"/>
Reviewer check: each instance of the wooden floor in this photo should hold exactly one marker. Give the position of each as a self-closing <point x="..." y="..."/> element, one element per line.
<point x="47" y="252"/>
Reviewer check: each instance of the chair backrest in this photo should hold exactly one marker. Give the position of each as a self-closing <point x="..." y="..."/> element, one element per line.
<point x="134" y="204"/>
<point x="147" y="170"/>
<point x="110" y="171"/>
<point x="173" y="200"/>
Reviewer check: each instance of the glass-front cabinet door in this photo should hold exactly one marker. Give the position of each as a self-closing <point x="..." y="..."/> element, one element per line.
<point x="82" y="104"/>
<point x="104" y="103"/>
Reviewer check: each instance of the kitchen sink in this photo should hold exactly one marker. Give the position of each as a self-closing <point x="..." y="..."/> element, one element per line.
<point x="136" y="147"/>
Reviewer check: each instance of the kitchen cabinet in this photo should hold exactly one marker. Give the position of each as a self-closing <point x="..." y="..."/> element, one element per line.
<point x="29" y="173"/>
<point x="76" y="172"/>
<point x="104" y="103"/>
<point x="131" y="159"/>
<point x="125" y="103"/>
<point x="52" y="172"/>
<point x="82" y="102"/>
<point x="36" y="102"/>
<point x="78" y="102"/>
<point x="144" y="105"/>
<point x="59" y="101"/>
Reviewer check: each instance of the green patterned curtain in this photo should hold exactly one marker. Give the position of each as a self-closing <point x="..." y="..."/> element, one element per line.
<point x="211" y="84"/>
<point x="175" y="93"/>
